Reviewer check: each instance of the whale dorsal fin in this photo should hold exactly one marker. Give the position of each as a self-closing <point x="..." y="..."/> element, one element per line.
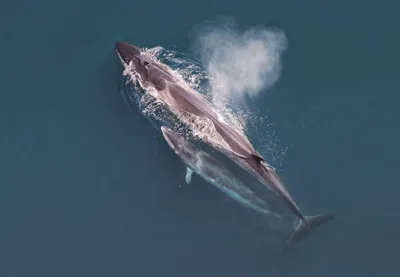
<point x="258" y="157"/>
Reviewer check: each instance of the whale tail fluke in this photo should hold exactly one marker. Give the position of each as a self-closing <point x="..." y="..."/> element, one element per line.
<point x="302" y="230"/>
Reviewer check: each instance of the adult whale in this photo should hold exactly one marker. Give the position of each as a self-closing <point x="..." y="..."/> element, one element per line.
<point x="184" y="100"/>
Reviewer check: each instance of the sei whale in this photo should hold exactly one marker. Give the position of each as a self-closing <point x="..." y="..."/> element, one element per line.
<point x="185" y="102"/>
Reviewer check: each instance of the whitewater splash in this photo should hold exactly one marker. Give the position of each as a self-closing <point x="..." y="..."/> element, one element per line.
<point x="193" y="73"/>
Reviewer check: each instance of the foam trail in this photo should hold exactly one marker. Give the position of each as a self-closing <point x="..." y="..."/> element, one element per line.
<point x="241" y="63"/>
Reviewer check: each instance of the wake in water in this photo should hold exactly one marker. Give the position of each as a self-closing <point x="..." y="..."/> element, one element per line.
<point x="241" y="117"/>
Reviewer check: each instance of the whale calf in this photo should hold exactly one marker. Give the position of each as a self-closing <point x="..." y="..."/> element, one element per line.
<point x="213" y="171"/>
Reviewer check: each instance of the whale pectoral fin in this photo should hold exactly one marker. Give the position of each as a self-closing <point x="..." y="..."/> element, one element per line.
<point x="302" y="230"/>
<point x="188" y="176"/>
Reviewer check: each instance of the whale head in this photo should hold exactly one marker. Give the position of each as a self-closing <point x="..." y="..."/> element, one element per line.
<point x="150" y="71"/>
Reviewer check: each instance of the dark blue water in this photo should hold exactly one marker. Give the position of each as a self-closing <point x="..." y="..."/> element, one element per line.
<point x="88" y="188"/>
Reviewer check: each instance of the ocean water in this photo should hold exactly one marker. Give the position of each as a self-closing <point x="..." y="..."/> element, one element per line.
<point x="89" y="188"/>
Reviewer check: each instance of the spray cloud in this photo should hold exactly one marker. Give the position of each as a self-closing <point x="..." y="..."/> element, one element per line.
<point x="241" y="63"/>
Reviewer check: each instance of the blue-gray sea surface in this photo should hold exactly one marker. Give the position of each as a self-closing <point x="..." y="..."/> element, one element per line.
<point x="89" y="188"/>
